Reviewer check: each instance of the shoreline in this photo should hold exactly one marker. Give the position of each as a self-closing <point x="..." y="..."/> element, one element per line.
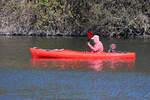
<point x="58" y="35"/>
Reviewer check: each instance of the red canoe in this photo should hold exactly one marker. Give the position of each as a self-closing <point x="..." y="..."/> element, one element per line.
<point x="63" y="53"/>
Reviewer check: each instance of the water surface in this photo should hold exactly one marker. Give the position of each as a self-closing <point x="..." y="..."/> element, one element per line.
<point x="25" y="78"/>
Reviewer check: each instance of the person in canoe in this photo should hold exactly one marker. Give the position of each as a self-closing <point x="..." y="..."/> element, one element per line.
<point x="112" y="48"/>
<point x="98" y="46"/>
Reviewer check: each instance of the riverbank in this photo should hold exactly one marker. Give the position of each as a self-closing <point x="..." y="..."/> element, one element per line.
<point x="113" y="19"/>
<point x="41" y="33"/>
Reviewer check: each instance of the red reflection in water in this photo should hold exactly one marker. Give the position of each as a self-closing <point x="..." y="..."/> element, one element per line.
<point x="98" y="65"/>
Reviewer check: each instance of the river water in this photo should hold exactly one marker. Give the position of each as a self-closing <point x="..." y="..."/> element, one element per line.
<point x="25" y="78"/>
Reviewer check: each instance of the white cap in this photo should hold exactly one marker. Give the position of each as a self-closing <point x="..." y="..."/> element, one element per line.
<point x="95" y="37"/>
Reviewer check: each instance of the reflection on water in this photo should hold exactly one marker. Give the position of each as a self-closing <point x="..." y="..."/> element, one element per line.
<point x="24" y="78"/>
<point x="98" y="64"/>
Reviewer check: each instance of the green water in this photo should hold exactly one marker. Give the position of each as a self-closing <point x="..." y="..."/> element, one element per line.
<point x="21" y="80"/>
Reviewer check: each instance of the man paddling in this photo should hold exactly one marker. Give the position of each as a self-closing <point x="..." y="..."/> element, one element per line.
<point x="98" y="46"/>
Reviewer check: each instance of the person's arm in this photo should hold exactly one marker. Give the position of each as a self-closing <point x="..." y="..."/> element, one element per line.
<point x="93" y="48"/>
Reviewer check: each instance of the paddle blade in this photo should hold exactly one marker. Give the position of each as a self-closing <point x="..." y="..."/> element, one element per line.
<point x="90" y="35"/>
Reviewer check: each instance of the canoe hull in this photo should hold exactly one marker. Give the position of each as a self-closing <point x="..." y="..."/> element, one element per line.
<point x="62" y="53"/>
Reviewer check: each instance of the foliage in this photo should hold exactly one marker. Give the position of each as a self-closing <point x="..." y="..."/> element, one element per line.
<point x="108" y="18"/>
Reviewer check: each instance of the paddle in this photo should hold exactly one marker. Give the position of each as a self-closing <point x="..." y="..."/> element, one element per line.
<point x="90" y="35"/>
